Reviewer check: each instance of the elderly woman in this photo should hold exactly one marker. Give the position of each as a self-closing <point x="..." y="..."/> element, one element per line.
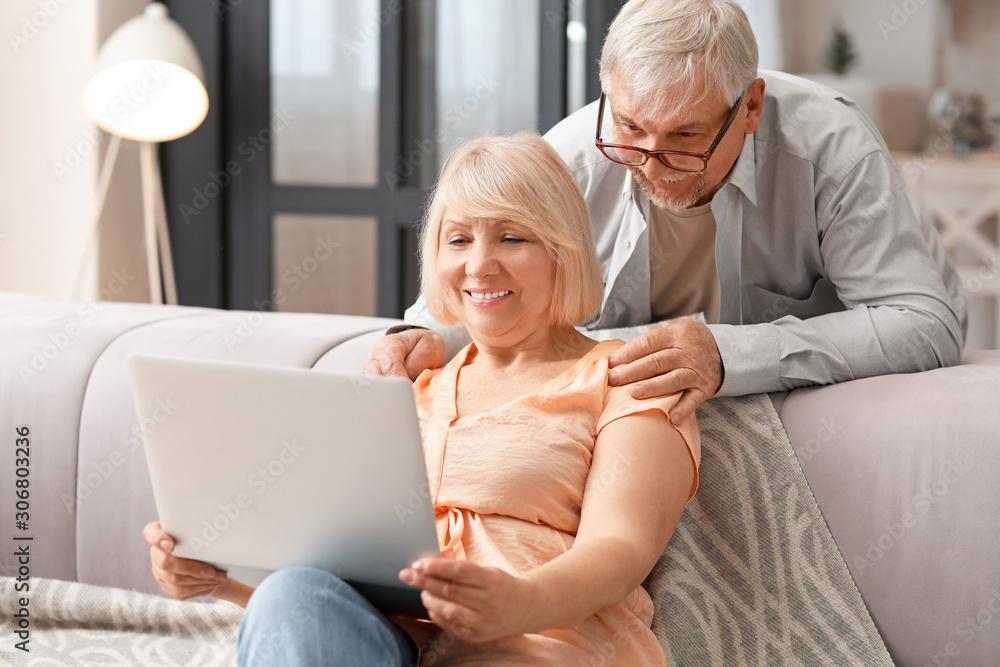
<point x="554" y="492"/>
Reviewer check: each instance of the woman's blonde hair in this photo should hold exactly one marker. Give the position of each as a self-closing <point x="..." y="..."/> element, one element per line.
<point x="680" y="52"/>
<point x="522" y="179"/>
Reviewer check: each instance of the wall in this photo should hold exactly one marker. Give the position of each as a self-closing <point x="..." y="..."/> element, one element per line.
<point x="48" y="162"/>
<point x="893" y="45"/>
<point x="906" y="49"/>
<point x="972" y="55"/>
<point x="897" y="65"/>
<point x="51" y="153"/>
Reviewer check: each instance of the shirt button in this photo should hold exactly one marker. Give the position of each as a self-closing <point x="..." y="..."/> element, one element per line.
<point x="628" y="244"/>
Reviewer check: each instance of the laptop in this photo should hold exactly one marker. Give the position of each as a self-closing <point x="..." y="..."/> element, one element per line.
<point x="256" y="468"/>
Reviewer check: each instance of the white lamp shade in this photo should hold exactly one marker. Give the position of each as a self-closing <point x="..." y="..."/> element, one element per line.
<point x="147" y="84"/>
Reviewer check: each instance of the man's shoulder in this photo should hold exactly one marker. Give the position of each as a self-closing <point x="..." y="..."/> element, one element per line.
<point x="573" y="139"/>
<point x="816" y="123"/>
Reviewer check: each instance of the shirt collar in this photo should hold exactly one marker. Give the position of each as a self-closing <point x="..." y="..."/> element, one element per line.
<point x="629" y="187"/>
<point x="632" y="190"/>
<point x="743" y="175"/>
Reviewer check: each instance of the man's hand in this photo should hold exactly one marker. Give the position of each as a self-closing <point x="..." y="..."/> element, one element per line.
<point x="472" y="602"/>
<point x="681" y="356"/>
<point x="407" y="354"/>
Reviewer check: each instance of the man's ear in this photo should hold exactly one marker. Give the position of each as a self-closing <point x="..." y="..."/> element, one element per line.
<point x="755" y="102"/>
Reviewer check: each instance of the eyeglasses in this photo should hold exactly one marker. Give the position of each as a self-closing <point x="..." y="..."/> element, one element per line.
<point x="633" y="156"/>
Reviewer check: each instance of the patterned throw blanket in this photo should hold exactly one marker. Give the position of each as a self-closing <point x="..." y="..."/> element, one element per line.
<point x="78" y="624"/>
<point x="751" y="577"/>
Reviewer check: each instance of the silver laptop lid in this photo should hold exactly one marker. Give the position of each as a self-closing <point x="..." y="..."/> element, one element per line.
<point x="255" y="468"/>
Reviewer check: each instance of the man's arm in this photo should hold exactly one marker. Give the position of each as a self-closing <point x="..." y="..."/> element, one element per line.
<point x="455" y="337"/>
<point x="899" y="318"/>
<point x="412" y="351"/>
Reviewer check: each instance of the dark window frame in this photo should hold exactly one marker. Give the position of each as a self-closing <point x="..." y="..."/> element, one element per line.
<point x="220" y="223"/>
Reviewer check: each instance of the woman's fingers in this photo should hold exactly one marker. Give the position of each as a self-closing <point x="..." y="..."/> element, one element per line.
<point x="450" y="616"/>
<point x="187" y="592"/>
<point x="458" y="571"/>
<point x="459" y="581"/>
<point x="161" y="554"/>
<point x="175" y="578"/>
<point x="473" y="602"/>
<point x="184" y="566"/>
<point x="180" y="578"/>
<point x="178" y="584"/>
<point x="154" y="534"/>
<point x="449" y="590"/>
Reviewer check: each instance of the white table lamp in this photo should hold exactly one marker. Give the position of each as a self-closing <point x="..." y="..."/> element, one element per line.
<point x="147" y="87"/>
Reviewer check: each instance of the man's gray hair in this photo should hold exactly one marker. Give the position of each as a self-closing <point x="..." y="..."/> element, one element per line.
<point x="680" y="51"/>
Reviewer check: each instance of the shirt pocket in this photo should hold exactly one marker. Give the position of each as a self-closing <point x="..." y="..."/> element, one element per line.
<point x="767" y="306"/>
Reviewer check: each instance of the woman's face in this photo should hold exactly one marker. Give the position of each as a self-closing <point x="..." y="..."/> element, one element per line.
<point x="497" y="276"/>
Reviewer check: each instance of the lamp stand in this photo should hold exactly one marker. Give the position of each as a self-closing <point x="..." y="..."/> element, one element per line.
<point x="103" y="181"/>
<point x="156" y="232"/>
<point x="158" y="254"/>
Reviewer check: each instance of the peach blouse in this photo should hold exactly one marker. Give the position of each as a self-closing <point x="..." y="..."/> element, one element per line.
<point x="508" y="485"/>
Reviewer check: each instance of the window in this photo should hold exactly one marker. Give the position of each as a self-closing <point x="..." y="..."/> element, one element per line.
<point x="329" y="122"/>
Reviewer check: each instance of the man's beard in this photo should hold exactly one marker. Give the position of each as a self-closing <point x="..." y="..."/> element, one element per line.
<point x="666" y="202"/>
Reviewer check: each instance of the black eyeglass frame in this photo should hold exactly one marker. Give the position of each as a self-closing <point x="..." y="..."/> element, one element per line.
<point x="704" y="157"/>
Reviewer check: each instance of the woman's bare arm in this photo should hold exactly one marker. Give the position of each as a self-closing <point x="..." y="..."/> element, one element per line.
<point x="638" y="485"/>
<point x="233" y="591"/>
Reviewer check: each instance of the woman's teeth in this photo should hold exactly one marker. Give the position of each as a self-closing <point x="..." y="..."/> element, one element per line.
<point x="488" y="295"/>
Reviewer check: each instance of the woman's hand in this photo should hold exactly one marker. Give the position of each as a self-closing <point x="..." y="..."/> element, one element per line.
<point x="473" y="602"/>
<point x="180" y="578"/>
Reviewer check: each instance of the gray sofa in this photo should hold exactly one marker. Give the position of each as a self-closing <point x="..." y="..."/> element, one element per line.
<point x="905" y="468"/>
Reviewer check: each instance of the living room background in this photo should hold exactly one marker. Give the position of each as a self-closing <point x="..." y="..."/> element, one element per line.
<point x="320" y="58"/>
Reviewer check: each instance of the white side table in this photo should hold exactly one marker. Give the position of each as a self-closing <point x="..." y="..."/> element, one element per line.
<point x="963" y="198"/>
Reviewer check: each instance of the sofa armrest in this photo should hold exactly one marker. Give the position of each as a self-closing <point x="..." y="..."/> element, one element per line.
<point x="905" y="469"/>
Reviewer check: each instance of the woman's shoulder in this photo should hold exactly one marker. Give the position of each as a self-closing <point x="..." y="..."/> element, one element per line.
<point x="428" y="383"/>
<point x="607" y="347"/>
<point x="603" y="348"/>
<point x="600" y="354"/>
<point x="592" y="368"/>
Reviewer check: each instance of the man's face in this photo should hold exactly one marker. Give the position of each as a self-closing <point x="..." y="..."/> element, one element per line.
<point x="691" y="130"/>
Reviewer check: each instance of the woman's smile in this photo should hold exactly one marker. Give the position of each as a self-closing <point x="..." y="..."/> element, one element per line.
<point x="481" y="297"/>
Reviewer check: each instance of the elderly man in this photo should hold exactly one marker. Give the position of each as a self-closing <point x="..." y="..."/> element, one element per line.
<point x="768" y="203"/>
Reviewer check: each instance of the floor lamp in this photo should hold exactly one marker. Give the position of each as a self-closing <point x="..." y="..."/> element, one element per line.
<point x="147" y="87"/>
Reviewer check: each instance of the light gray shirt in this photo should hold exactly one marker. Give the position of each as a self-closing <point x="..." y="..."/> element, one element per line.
<point x="826" y="273"/>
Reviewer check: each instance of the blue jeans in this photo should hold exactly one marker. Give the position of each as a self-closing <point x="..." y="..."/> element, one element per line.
<point x="302" y="616"/>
